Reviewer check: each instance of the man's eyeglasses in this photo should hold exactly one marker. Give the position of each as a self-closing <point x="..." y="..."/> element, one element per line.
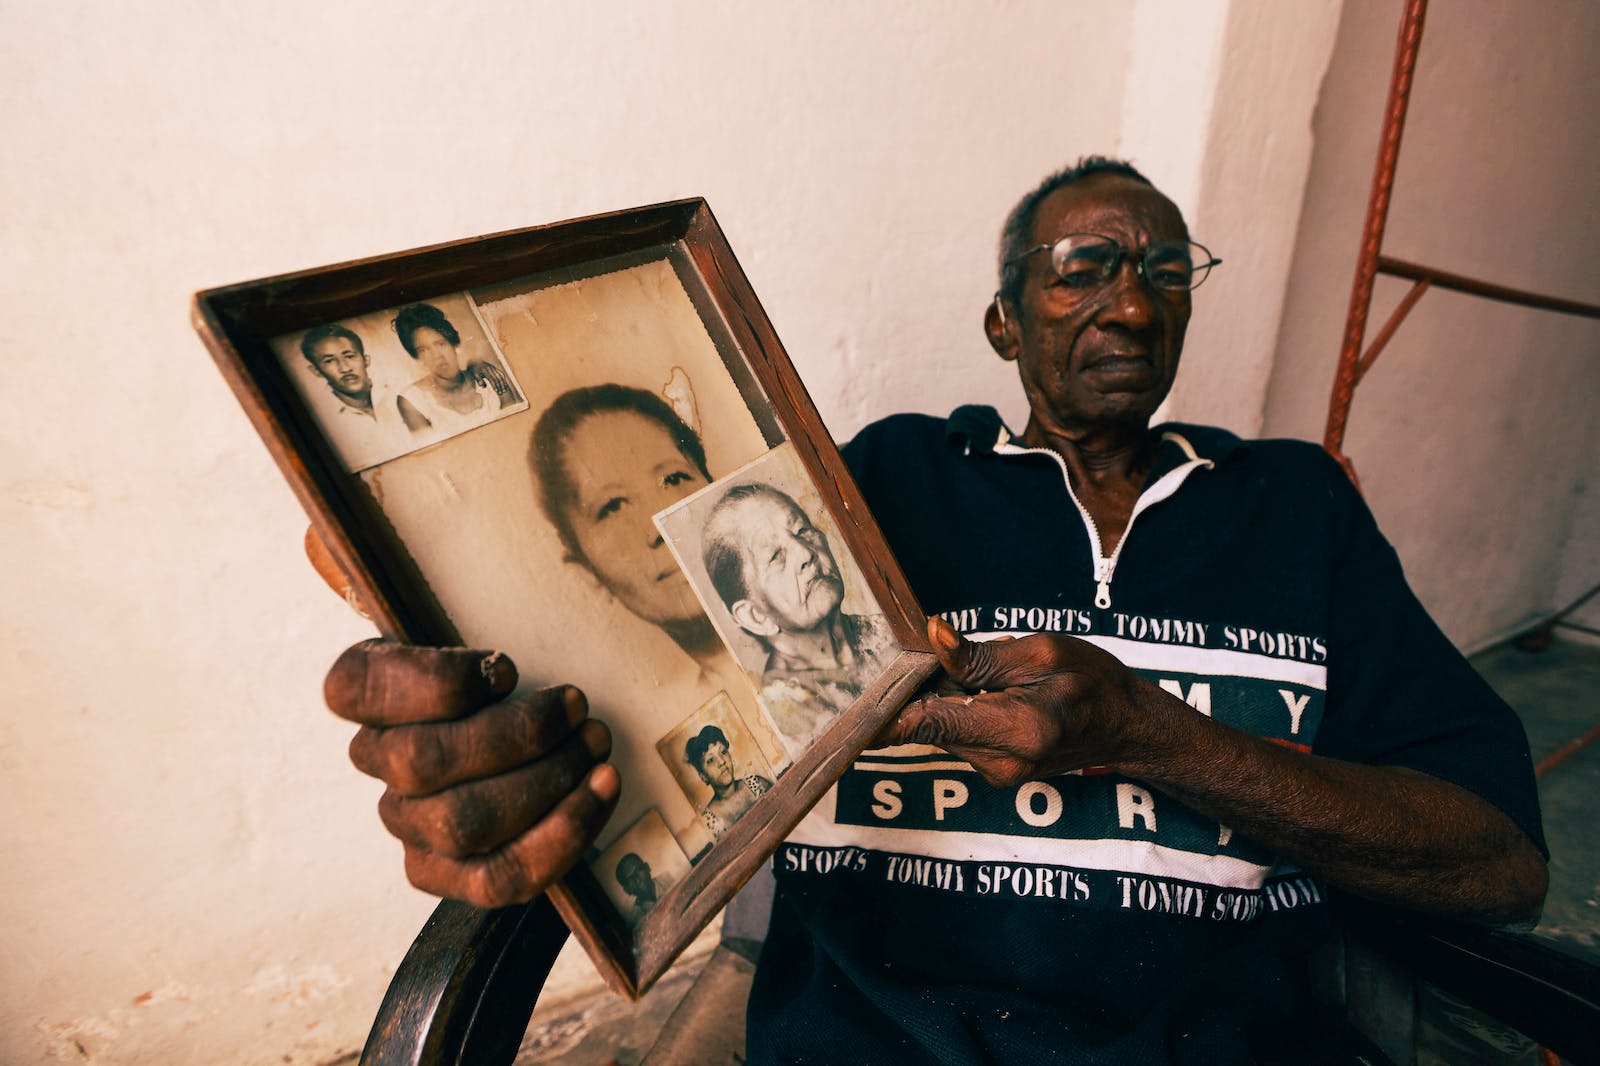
<point x="1085" y="260"/>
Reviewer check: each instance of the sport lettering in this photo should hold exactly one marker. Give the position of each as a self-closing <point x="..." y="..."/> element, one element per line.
<point x="948" y="794"/>
<point x="1283" y="645"/>
<point x="1039" y="804"/>
<point x="1199" y="696"/>
<point x="1134" y="802"/>
<point x="1297" y="707"/>
<point x="1041" y="620"/>
<point x="887" y="793"/>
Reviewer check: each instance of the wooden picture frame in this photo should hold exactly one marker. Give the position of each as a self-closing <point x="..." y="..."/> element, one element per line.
<point x="420" y="470"/>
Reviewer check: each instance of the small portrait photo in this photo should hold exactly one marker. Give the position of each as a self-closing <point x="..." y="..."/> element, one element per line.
<point x="387" y="383"/>
<point x="348" y="379"/>
<point x="639" y="867"/>
<point x="777" y="580"/>
<point x="717" y="763"/>
<point x="459" y="379"/>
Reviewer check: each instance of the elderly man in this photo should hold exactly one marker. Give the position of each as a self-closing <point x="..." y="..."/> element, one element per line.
<point x="1135" y="864"/>
<point x="775" y="573"/>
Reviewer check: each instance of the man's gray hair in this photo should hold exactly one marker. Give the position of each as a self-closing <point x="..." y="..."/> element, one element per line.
<point x="1016" y="236"/>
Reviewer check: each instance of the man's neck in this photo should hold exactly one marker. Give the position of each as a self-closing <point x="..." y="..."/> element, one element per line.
<point x="1106" y="465"/>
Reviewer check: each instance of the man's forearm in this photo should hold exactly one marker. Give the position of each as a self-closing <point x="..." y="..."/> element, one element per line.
<point x="1387" y="833"/>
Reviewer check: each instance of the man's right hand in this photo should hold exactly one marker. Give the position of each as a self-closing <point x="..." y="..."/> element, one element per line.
<point x="495" y="796"/>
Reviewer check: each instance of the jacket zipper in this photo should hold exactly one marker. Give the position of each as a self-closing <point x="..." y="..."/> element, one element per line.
<point x="1105" y="567"/>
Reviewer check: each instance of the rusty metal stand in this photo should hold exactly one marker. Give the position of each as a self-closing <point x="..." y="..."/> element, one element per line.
<point x="1353" y="362"/>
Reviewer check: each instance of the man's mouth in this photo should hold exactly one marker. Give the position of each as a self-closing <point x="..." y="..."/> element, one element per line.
<point x="1130" y="368"/>
<point x="1121" y="361"/>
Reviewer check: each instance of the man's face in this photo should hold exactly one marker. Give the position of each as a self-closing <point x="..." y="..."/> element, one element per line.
<point x="1107" y="354"/>
<point x="343" y="366"/>
<point x="788" y="570"/>
<point x="716" y="766"/>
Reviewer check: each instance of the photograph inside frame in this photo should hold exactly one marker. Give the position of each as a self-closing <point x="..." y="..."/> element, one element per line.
<point x="579" y="479"/>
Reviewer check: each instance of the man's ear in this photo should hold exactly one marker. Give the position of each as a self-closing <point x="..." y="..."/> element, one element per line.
<point x="1000" y="326"/>
<point x="752" y="619"/>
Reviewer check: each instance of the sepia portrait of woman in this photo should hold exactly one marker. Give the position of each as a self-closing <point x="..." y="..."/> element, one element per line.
<point x="452" y="394"/>
<point x="732" y="792"/>
<point x="606" y="458"/>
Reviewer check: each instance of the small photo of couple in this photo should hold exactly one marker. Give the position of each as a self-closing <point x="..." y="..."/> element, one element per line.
<point x="387" y="383"/>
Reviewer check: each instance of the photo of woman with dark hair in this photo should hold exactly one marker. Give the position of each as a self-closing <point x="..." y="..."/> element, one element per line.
<point x="605" y="459"/>
<point x="732" y="793"/>
<point x="454" y="393"/>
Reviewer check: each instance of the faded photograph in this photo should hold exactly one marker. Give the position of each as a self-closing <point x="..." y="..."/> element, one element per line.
<point x="640" y="866"/>
<point x="456" y="387"/>
<point x="534" y="532"/>
<point x="765" y="565"/>
<point x="717" y="765"/>
<point x="386" y="383"/>
<point x="347" y="395"/>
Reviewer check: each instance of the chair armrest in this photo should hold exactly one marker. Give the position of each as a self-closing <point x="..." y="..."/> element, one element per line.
<point x="1550" y="995"/>
<point x="465" y="991"/>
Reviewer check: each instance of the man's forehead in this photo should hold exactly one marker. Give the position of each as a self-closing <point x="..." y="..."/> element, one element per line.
<point x="1109" y="204"/>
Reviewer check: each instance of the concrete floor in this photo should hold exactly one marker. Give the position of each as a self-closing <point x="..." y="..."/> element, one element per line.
<point x="1557" y="693"/>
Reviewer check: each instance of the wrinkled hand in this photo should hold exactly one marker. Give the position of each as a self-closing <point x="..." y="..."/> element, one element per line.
<point x="1032" y="707"/>
<point x="495" y="796"/>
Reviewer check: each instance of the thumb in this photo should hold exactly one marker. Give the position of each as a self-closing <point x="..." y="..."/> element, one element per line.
<point x="970" y="664"/>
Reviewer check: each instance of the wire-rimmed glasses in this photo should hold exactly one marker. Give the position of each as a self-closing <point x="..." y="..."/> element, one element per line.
<point x="1086" y="260"/>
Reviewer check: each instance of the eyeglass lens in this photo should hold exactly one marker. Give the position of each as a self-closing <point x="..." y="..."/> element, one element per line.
<point x="1173" y="266"/>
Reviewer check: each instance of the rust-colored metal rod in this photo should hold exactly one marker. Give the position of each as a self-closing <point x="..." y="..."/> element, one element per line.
<point x="1461" y="283"/>
<point x="1396" y="316"/>
<point x="1394" y="120"/>
<point x="1566" y="751"/>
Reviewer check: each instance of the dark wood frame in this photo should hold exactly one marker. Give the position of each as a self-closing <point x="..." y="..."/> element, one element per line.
<point x="237" y="321"/>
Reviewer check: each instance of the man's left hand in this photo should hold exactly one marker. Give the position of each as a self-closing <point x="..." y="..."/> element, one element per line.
<point x="1036" y="706"/>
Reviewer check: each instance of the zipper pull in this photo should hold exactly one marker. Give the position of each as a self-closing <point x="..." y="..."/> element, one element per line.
<point x="1102" y="591"/>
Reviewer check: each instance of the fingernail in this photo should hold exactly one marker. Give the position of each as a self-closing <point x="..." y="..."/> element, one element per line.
<point x="498" y="672"/>
<point x="943" y="634"/>
<point x="575" y="704"/>
<point x="605" y="783"/>
<point x="597" y="738"/>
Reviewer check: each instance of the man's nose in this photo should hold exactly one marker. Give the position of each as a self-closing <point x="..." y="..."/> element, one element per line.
<point x="1128" y="300"/>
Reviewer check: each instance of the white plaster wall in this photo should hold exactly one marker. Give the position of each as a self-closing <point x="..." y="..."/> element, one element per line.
<point x="1472" y="431"/>
<point x="191" y="872"/>
<point x="1216" y="113"/>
